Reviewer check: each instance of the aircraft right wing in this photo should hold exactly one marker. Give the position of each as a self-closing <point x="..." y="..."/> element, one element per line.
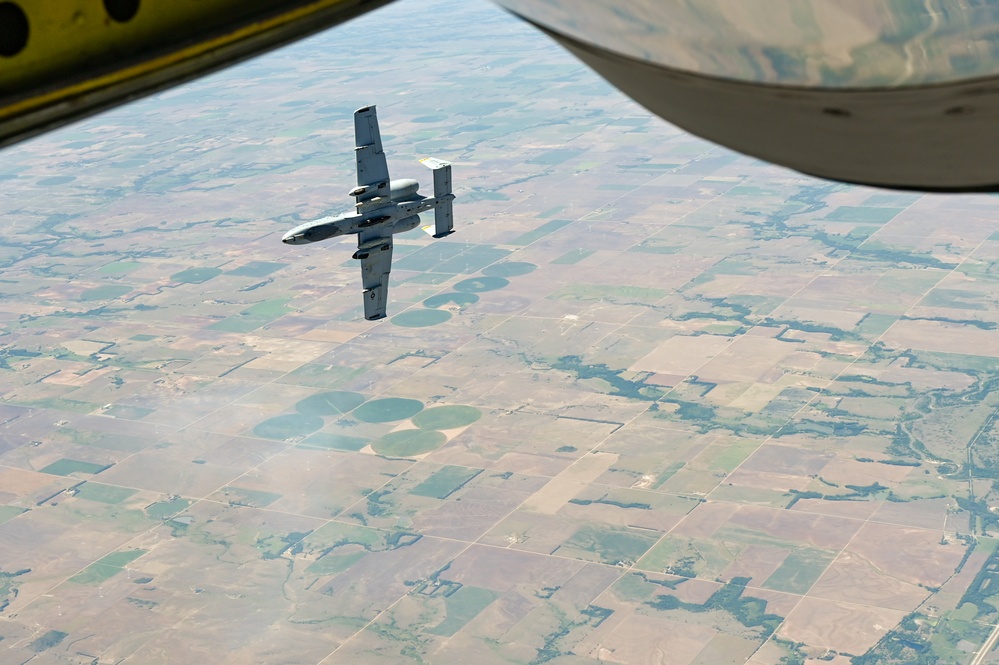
<point x="375" y="255"/>
<point x="372" y="170"/>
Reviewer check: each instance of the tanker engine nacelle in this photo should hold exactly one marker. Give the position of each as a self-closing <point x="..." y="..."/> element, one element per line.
<point x="403" y="189"/>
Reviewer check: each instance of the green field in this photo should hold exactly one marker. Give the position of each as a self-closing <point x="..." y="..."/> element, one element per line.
<point x="119" y="267"/>
<point x="257" y="269"/>
<point x="728" y="455"/>
<point x="333" y="403"/>
<point x="162" y="510"/>
<point x="287" y="426"/>
<point x="103" y="493"/>
<point x="408" y="442"/>
<point x="573" y="256"/>
<point x="459" y="299"/>
<point x="447" y="417"/>
<point x="388" y="409"/>
<point x="334" y="442"/>
<point x="608" y="545"/>
<point x="331" y="564"/>
<point x="426" y="258"/>
<point x="241" y="496"/>
<point x="689" y="557"/>
<point x="421" y="318"/>
<point x="319" y="375"/>
<point x="8" y="513"/>
<point x="106" y="567"/>
<point x="799" y="570"/>
<point x="195" y="275"/>
<point x="866" y="214"/>
<point x="509" y="269"/>
<point x="481" y="284"/>
<point x="65" y="467"/>
<point x="105" y="292"/>
<point x="540" y="232"/>
<point x="475" y="258"/>
<point x="253" y="317"/>
<point x="461" y="607"/>
<point x="445" y="482"/>
<point x="615" y="294"/>
<point x="127" y="412"/>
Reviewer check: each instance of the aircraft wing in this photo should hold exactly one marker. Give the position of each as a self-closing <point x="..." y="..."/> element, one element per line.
<point x="372" y="170"/>
<point x="375" y="255"/>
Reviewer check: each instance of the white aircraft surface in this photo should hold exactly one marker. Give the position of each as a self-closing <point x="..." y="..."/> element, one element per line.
<point x="384" y="207"/>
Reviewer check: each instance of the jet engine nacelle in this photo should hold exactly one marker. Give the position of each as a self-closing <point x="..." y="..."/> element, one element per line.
<point x="403" y="189"/>
<point x="406" y="224"/>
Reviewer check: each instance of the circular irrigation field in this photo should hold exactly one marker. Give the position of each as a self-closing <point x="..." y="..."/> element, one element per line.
<point x="388" y="409"/>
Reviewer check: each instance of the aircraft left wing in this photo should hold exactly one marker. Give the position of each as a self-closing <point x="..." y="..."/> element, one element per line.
<point x="375" y="255"/>
<point x="372" y="170"/>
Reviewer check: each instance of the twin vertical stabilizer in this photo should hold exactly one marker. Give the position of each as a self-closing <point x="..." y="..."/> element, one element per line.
<point x="443" y="210"/>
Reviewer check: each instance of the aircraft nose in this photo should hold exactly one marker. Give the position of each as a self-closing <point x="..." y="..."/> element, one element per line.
<point x="293" y="238"/>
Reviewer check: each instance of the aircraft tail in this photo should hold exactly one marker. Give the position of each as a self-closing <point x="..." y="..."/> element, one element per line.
<point x="443" y="211"/>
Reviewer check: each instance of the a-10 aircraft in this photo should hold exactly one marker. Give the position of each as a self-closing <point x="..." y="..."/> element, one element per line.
<point x="384" y="207"/>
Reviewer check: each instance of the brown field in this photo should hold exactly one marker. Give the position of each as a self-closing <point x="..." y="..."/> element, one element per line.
<point x="925" y="513"/>
<point x="725" y="648"/>
<point x="916" y="555"/>
<point x="643" y="639"/>
<point x="921" y="378"/>
<point x="504" y="570"/>
<point x="682" y="354"/>
<point x="706" y="518"/>
<point x="692" y="482"/>
<point x="852" y="579"/>
<point x="820" y="531"/>
<point x="172" y="476"/>
<point x="530" y="532"/>
<point x="952" y="592"/>
<point x="781" y="482"/>
<point x="755" y="561"/>
<point x="747" y="359"/>
<point x="17" y="484"/>
<point x="943" y="337"/>
<point x="664" y="512"/>
<point x="474" y="510"/>
<point x="838" y="318"/>
<point x="843" y="471"/>
<point x="837" y="625"/>
<point x="775" y="458"/>
<point x="522" y="442"/>
<point x="860" y="510"/>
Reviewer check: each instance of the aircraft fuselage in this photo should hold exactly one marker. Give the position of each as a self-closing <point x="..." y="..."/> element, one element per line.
<point x="396" y="217"/>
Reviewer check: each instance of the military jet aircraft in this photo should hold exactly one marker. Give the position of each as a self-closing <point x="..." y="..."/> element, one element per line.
<point x="383" y="207"/>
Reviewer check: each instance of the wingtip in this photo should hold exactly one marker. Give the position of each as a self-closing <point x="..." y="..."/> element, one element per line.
<point x="365" y="109"/>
